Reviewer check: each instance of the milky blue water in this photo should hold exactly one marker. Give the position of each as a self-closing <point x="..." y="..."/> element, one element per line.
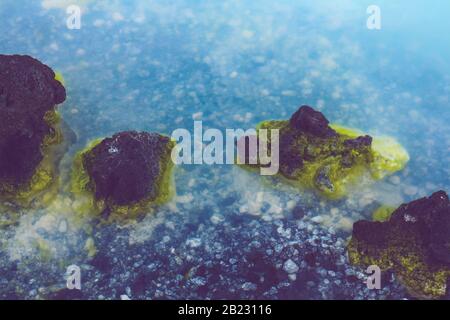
<point x="154" y="66"/>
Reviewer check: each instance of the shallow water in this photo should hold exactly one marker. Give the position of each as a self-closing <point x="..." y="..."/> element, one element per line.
<point x="144" y="65"/>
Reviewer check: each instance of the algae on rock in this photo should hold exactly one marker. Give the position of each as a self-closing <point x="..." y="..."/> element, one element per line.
<point x="124" y="175"/>
<point x="414" y="242"/>
<point x="382" y="213"/>
<point x="30" y="130"/>
<point x="330" y="158"/>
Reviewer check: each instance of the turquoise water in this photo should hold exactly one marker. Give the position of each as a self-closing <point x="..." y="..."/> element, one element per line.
<point x="147" y="65"/>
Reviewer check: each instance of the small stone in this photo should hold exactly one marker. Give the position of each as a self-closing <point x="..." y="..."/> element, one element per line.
<point x="290" y="266"/>
<point x="317" y="219"/>
<point x="334" y="211"/>
<point x="62" y="226"/>
<point x="292" y="277"/>
<point x="194" y="242"/>
<point x="394" y="179"/>
<point x="298" y="212"/>
<point x="248" y="286"/>
<point x="198" y="281"/>
<point x="217" y="218"/>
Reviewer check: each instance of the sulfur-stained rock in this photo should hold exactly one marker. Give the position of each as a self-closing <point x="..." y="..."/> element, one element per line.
<point x="126" y="173"/>
<point x="29" y="128"/>
<point x="414" y="243"/>
<point x="328" y="158"/>
<point x="382" y="213"/>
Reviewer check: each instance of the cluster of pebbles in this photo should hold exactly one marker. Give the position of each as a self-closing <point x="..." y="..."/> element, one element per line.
<point x="241" y="258"/>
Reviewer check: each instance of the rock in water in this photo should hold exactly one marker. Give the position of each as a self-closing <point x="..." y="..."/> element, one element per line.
<point x="414" y="243"/>
<point x="330" y="158"/>
<point x="308" y="120"/>
<point x="28" y="127"/>
<point x="125" y="173"/>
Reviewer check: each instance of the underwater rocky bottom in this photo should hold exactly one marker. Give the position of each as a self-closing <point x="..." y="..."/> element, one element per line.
<point x="241" y="258"/>
<point x="237" y="257"/>
<point x="124" y="253"/>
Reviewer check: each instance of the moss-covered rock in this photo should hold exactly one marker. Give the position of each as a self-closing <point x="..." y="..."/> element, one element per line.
<point x="382" y="213"/>
<point x="330" y="158"/>
<point x="125" y="174"/>
<point x="29" y="128"/>
<point x="414" y="242"/>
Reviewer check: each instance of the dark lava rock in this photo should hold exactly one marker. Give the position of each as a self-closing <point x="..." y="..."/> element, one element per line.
<point x="314" y="155"/>
<point x="415" y="243"/>
<point x="290" y="158"/>
<point x="308" y="120"/>
<point x="431" y="224"/>
<point x="359" y="143"/>
<point x="298" y="212"/>
<point x="372" y="232"/>
<point x="128" y="167"/>
<point x="28" y="91"/>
